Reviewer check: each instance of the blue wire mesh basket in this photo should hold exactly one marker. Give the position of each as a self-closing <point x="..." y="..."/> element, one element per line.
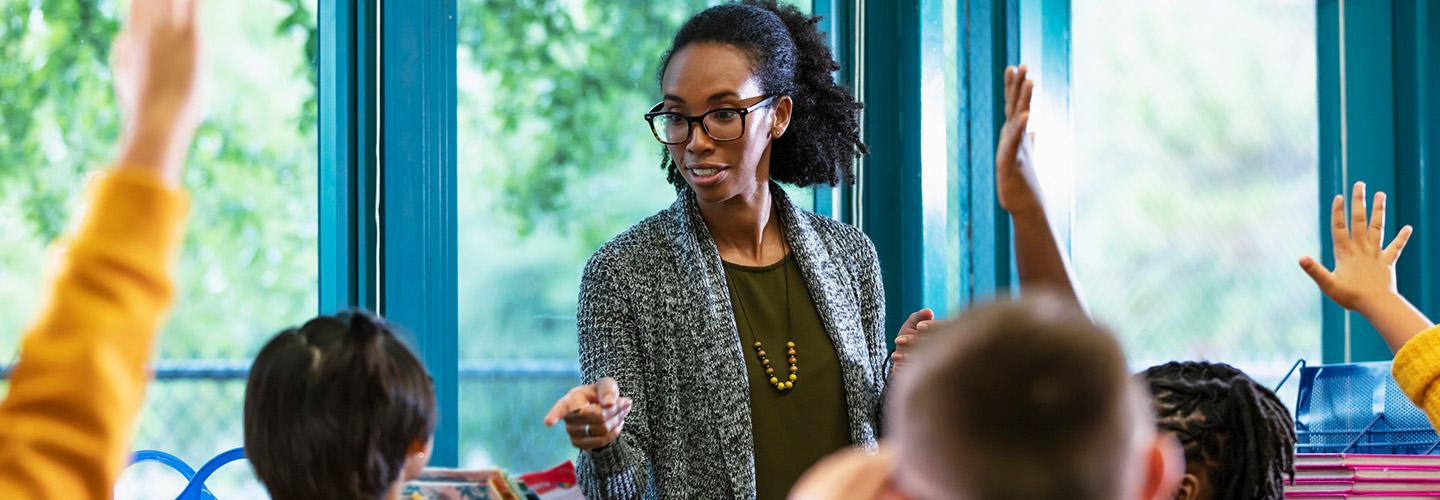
<point x="1358" y="408"/>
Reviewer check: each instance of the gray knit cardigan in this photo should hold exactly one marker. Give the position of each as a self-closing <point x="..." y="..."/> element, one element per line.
<point x="655" y="315"/>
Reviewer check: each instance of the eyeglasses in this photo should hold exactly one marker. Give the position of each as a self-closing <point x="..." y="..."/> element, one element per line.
<point x="721" y="124"/>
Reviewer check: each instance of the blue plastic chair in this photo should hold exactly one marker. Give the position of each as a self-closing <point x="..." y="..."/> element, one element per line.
<point x="195" y="480"/>
<point x="1358" y="408"/>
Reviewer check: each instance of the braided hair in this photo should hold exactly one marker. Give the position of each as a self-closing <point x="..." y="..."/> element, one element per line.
<point x="1234" y="429"/>
<point x="789" y="56"/>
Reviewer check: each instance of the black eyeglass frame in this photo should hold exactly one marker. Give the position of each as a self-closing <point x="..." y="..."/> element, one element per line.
<point x="690" y="121"/>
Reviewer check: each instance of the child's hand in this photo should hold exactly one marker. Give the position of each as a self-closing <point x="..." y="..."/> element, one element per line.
<point x="156" y="63"/>
<point x="1364" y="273"/>
<point x="1015" y="182"/>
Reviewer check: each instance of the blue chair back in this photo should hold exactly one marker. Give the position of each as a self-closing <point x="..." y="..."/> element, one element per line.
<point x="1358" y="408"/>
<point x="195" y="480"/>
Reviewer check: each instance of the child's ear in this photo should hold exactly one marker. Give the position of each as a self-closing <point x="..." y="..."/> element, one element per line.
<point x="1165" y="473"/>
<point x="1189" y="488"/>
<point x="417" y="457"/>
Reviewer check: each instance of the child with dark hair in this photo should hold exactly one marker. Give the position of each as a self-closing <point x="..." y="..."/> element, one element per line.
<point x="338" y="408"/>
<point x="1364" y="281"/>
<point x="1015" y="400"/>
<point x="1238" y="437"/>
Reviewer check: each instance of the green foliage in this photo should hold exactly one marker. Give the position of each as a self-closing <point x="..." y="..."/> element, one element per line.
<point x="571" y="70"/>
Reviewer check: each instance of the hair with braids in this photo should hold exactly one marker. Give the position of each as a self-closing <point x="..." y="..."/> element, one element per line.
<point x="333" y="407"/>
<point x="1235" y="431"/>
<point x="789" y="56"/>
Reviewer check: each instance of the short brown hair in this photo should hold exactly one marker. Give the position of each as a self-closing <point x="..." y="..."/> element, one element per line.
<point x="1017" y="400"/>
<point x="332" y="408"/>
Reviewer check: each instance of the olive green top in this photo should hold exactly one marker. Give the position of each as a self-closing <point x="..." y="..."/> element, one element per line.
<point x="793" y="428"/>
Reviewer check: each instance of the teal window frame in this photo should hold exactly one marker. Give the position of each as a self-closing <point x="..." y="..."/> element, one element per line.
<point x="1378" y="68"/>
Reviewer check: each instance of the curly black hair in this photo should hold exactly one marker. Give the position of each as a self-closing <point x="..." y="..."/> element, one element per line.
<point x="1234" y="430"/>
<point x="790" y="57"/>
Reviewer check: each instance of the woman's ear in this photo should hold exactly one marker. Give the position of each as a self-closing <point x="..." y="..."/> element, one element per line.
<point x="783" y="107"/>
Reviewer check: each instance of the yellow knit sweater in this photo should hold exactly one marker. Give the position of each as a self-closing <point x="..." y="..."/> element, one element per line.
<point x="1417" y="369"/>
<point x="65" y="426"/>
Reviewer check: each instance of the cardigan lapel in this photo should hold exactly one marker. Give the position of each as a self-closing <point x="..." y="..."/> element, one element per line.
<point x="726" y="380"/>
<point x="832" y="287"/>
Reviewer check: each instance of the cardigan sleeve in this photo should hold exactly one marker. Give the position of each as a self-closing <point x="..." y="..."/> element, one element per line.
<point x="607" y="331"/>
<point x="872" y="295"/>
<point x="1417" y="370"/>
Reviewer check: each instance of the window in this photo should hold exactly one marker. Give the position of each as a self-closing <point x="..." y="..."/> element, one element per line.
<point x="249" y="265"/>
<point x="1195" y="178"/>
<point x="554" y="160"/>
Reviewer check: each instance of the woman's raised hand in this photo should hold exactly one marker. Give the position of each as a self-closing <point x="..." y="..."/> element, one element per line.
<point x="915" y="328"/>
<point x="1015" y="182"/>
<point x="594" y="414"/>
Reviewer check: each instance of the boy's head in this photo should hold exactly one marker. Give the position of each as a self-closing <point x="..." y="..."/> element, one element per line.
<point x="1239" y="439"/>
<point x="1021" y="400"/>
<point x="338" y="408"/>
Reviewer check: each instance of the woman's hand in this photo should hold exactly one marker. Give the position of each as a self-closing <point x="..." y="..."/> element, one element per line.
<point x="1364" y="275"/>
<point x="1015" y="182"/>
<point x="156" y="64"/>
<point x="917" y="325"/>
<point x="594" y="414"/>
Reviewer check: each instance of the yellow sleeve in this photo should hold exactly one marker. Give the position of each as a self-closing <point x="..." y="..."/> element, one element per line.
<point x="65" y="426"/>
<point x="1417" y="369"/>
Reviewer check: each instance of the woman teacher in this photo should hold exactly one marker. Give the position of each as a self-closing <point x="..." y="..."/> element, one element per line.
<point x="732" y="340"/>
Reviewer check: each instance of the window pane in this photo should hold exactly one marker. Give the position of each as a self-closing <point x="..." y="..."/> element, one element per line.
<point x="1195" y="195"/>
<point x="249" y="264"/>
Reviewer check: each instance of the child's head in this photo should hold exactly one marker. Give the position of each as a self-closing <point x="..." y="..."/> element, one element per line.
<point x="338" y="408"/>
<point x="1022" y="400"/>
<point x="1239" y="439"/>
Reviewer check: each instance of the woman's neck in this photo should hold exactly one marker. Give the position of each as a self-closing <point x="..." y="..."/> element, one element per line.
<point x="743" y="227"/>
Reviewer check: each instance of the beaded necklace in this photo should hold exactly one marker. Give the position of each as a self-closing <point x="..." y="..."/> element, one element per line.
<point x="780" y="381"/>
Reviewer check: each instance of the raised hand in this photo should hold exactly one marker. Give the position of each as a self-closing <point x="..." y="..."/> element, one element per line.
<point x="1015" y="181"/>
<point x="1364" y="271"/>
<point x="1364" y="275"/>
<point x="594" y="414"/>
<point x="156" y="61"/>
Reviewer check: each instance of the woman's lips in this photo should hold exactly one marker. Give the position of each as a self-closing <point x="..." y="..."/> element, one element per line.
<point x="706" y="175"/>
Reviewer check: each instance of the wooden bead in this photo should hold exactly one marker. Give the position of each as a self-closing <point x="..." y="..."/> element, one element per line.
<point x="791" y="352"/>
<point x="769" y="370"/>
<point x="762" y="354"/>
<point x="794" y="368"/>
<point x="789" y="385"/>
<point x="792" y="360"/>
<point x="790" y="344"/>
<point x="793" y="377"/>
<point x="765" y="362"/>
<point x="774" y="380"/>
<point x="757" y="344"/>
